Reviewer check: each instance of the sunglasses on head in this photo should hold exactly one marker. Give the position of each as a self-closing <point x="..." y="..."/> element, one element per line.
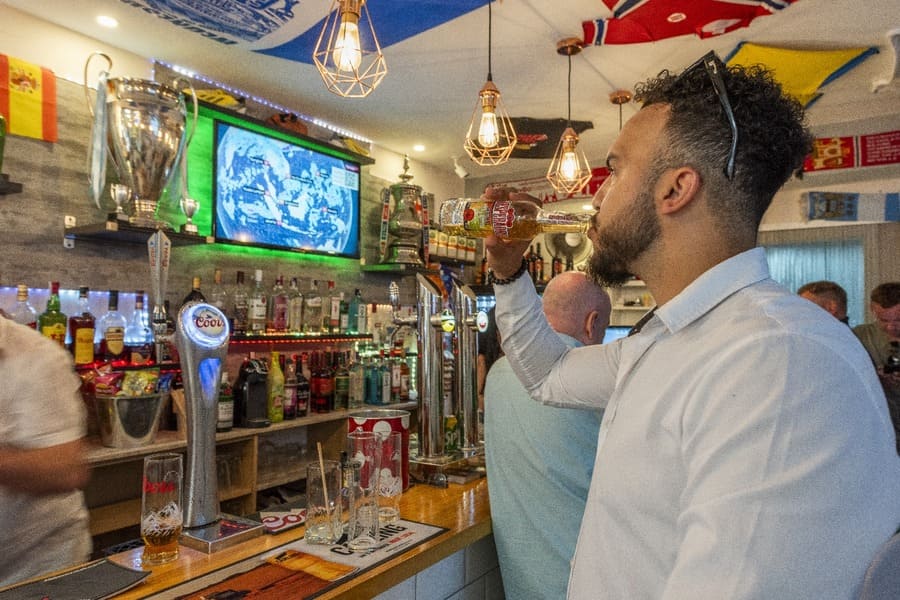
<point x="714" y="68"/>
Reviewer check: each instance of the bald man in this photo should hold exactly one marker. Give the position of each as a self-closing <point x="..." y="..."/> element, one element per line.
<point x="540" y="458"/>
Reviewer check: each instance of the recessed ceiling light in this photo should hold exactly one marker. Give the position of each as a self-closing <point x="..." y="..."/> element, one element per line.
<point x="419" y="148"/>
<point x="587" y="207"/>
<point x="109" y="22"/>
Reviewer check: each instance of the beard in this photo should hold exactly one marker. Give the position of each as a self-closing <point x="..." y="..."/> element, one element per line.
<point x="620" y="243"/>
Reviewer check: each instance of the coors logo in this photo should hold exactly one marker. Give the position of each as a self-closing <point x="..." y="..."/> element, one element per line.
<point x="209" y="322"/>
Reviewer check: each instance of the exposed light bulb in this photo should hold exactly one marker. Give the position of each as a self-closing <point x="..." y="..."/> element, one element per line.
<point x="568" y="166"/>
<point x="488" y="132"/>
<point x="347" y="54"/>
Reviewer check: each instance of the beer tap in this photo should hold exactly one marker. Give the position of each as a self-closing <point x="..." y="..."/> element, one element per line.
<point x="400" y="323"/>
<point x="159" y="249"/>
<point x="465" y="386"/>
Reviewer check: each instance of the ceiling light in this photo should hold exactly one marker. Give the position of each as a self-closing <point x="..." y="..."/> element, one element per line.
<point x="347" y="53"/>
<point x="491" y="136"/>
<point x="569" y="170"/>
<point x="419" y="147"/>
<point x="109" y="22"/>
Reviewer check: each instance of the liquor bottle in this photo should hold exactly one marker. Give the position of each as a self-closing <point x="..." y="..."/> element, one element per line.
<point x="404" y="370"/>
<point x="23" y="312"/>
<point x="556" y="266"/>
<point x="529" y="261"/>
<point x="385" y="372"/>
<point x="570" y="264"/>
<point x="52" y="322"/>
<point x="295" y="307"/>
<point x="275" y="390"/>
<point x="344" y="311"/>
<point x="111" y="332"/>
<point x="258" y="305"/>
<point x="225" y="405"/>
<point x="341" y="383"/>
<point x="195" y="295"/>
<point x="321" y="384"/>
<point x="218" y="295"/>
<point x="240" y="306"/>
<point x="290" y="389"/>
<point x="539" y="265"/>
<point x="373" y="380"/>
<point x="81" y="330"/>
<point x="303" y="388"/>
<point x="277" y="313"/>
<point x="507" y="219"/>
<point x="312" y="309"/>
<point x="138" y="335"/>
<point x="353" y="310"/>
<point x="356" y="394"/>
<point x="330" y="310"/>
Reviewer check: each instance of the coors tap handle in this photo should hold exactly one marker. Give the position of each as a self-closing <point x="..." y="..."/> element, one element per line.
<point x="201" y="335"/>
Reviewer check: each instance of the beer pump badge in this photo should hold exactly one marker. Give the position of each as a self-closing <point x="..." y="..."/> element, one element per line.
<point x="481" y="321"/>
<point x="205" y="324"/>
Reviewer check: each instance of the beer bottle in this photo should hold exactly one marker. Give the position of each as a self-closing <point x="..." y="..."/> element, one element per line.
<point x="507" y="219"/>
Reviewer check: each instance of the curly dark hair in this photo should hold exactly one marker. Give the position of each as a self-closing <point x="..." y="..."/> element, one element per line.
<point x="772" y="136"/>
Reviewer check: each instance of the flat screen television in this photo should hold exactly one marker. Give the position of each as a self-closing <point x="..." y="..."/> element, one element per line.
<point x="273" y="193"/>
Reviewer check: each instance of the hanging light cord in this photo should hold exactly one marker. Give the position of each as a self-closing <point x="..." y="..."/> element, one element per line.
<point x="489" y="77"/>
<point x="569" y="118"/>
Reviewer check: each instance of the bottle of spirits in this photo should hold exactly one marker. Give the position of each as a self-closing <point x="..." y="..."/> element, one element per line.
<point x="344" y="310"/>
<point x="218" y="295"/>
<point x="277" y="314"/>
<point x="111" y="332"/>
<point x="81" y="330"/>
<point x="52" y="322"/>
<point x="356" y="394"/>
<point x="539" y="265"/>
<point x="240" y="306"/>
<point x="321" y="385"/>
<point x="303" y="386"/>
<point x="138" y="335"/>
<point x="507" y="219"/>
<point x="341" y="383"/>
<point x="23" y="312"/>
<point x="395" y="372"/>
<point x="330" y="312"/>
<point x="258" y="305"/>
<point x="195" y="295"/>
<point x="290" y="389"/>
<point x="295" y="307"/>
<point x="225" y="405"/>
<point x="275" y="390"/>
<point x="356" y="302"/>
<point x="385" y="373"/>
<point x="373" y="380"/>
<point x="312" y="309"/>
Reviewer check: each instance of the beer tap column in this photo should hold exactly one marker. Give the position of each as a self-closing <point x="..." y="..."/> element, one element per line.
<point x="201" y="335"/>
<point x="431" y="409"/>
<point x="464" y="389"/>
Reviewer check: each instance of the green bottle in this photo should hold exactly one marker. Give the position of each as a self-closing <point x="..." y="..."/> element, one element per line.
<point x="52" y="322"/>
<point x="275" y="390"/>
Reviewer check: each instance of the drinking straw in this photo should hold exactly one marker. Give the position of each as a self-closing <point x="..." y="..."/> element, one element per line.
<point x="324" y="487"/>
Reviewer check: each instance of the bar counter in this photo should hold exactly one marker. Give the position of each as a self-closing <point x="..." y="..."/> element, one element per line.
<point x="463" y="510"/>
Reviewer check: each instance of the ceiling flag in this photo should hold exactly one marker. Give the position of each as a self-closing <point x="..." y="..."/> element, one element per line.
<point x="800" y="72"/>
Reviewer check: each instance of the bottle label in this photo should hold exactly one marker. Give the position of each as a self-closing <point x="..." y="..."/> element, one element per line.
<point x="225" y="417"/>
<point x="502" y="217"/>
<point x="55" y="331"/>
<point x="83" y="345"/>
<point x="115" y="340"/>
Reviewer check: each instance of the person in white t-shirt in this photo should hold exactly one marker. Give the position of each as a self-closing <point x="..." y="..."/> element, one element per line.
<point x="43" y="518"/>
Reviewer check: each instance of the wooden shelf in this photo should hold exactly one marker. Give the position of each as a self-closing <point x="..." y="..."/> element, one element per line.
<point x="9" y="187"/>
<point x="121" y="232"/>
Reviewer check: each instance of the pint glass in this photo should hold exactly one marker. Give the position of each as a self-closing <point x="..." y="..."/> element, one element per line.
<point x="161" y="514"/>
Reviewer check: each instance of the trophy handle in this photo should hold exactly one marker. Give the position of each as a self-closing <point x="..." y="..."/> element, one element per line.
<point x="109" y="63"/>
<point x="189" y="86"/>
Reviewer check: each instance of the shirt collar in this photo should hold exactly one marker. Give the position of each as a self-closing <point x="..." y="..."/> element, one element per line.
<point x="712" y="287"/>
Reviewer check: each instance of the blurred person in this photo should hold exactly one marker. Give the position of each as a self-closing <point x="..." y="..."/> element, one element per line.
<point x="829" y="295"/>
<point x="43" y="518"/>
<point x="540" y="458"/>
<point x="489" y="350"/>
<point x="881" y="340"/>
<point x="746" y="450"/>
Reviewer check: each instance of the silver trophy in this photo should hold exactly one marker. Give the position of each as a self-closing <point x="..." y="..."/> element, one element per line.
<point x="120" y="195"/>
<point x="189" y="207"/>
<point x="404" y="226"/>
<point x="142" y="125"/>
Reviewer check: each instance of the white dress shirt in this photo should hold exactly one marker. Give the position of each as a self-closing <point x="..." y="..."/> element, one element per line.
<point x="745" y="452"/>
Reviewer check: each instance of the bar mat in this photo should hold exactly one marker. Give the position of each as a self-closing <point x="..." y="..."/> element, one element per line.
<point x="94" y="581"/>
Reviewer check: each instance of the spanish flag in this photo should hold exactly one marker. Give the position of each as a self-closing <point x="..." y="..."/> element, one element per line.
<point x="28" y="99"/>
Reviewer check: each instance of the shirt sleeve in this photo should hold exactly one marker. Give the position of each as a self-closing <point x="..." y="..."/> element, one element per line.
<point x="551" y="372"/>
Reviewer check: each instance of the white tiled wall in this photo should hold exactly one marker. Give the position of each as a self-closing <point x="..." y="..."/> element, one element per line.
<point x="470" y="574"/>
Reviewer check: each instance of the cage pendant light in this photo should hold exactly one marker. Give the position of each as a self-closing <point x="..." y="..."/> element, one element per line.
<point x="347" y="53"/>
<point x="491" y="137"/>
<point x="569" y="170"/>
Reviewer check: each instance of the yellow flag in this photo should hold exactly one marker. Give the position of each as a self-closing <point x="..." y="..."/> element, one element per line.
<point x="28" y="99"/>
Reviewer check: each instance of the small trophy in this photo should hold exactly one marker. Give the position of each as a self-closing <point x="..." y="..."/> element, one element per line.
<point x="189" y="207"/>
<point x="120" y="194"/>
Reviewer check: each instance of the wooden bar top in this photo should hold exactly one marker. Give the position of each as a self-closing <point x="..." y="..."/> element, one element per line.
<point x="463" y="509"/>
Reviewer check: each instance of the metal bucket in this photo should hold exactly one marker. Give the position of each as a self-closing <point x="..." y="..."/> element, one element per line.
<point x="128" y="421"/>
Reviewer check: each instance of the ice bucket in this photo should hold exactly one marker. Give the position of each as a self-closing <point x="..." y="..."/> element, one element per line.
<point x="128" y="421"/>
<point x="385" y="421"/>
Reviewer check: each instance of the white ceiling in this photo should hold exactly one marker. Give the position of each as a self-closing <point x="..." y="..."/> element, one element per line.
<point x="433" y="78"/>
